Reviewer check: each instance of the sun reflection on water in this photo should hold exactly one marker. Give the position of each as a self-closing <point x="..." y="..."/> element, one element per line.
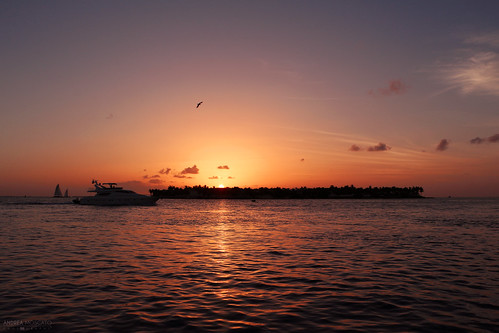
<point x="218" y="265"/>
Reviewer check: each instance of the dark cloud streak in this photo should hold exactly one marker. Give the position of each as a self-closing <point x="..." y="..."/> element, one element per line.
<point x="443" y="145"/>
<point x="493" y="138"/>
<point x="182" y="176"/>
<point x="194" y="170"/>
<point x="354" y="148"/>
<point x="379" y="147"/>
<point x="165" y="171"/>
<point x="478" y="140"/>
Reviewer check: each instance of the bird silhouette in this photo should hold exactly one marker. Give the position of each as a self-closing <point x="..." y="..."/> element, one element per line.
<point x="199" y="104"/>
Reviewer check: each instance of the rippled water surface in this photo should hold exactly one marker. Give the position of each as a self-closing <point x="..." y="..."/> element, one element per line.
<point x="264" y="266"/>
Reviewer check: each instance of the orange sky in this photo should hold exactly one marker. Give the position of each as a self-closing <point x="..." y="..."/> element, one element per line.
<point x="109" y="92"/>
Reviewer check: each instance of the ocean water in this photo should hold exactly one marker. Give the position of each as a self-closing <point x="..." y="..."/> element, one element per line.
<point x="429" y="265"/>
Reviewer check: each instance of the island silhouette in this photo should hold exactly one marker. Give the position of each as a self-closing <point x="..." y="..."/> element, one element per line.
<point x="332" y="192"/>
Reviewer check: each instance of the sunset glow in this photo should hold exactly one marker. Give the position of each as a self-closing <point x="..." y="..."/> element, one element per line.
<point x="293" y="94"/>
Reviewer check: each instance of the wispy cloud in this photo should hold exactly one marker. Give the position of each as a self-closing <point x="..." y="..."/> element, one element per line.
<point x="395" y="87"/>
<point x="489" y="39"/>
<point x="225" y="167"/>
<point x="476" y="69"/>
<point x="312" y="98"/>
<point x="478" y="74"/>
<point x="442" y="145"/>
<point x="285" y="71"/>
<point x="213" y="177"/>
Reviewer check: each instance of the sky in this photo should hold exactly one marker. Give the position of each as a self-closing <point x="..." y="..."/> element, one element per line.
<point x="295" y="93"/>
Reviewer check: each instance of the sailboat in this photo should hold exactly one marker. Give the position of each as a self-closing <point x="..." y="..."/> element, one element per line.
<point x="57" y="192"/>
<point x="66" y="195"/>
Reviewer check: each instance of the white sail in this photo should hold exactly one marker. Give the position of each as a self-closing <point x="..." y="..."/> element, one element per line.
<point x="57" y="193"/>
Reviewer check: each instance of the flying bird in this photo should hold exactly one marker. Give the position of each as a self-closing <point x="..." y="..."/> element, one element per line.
<point x="199" y="104"/>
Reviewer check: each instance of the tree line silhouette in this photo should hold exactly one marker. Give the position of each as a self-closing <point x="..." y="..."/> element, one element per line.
<point x="332" y="192"/>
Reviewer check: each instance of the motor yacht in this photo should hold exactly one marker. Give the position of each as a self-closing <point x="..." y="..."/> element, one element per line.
<point x="109" y="194"/>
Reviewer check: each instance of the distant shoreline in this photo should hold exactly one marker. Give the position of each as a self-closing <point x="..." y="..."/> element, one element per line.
<point x="332" y="192"/>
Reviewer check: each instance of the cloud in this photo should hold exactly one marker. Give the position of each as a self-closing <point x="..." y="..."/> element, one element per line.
<point x="182" y="176"/>
<point x="302" y="160"/>
<point x="194" y="170"/>
<point x="213" y="177"/>
<point x="489" y="39"/>
<point x="478" y="140"/>
<point x="379" y="147"/>
<point x="443" y="145"/>
<point x="155" y="181"/>
<point x="225" y="167"/>
<point x="285" y="72"/>
<point x="395" y="87"/>
<point x="231" y="177"/>
<point x="479" y="74"/>
<point x="475" y="70"/>
<point x="354" y="148"/>
<point x="145" y="176"/>
<point x="165" y="171"/>
<point x="493" y="138"/>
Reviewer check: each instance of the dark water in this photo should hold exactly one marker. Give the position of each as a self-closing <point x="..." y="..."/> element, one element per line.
<point x="267" y="266"/>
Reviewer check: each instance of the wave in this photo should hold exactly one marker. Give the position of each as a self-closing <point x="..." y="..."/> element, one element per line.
<point x="22" y="201"/>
